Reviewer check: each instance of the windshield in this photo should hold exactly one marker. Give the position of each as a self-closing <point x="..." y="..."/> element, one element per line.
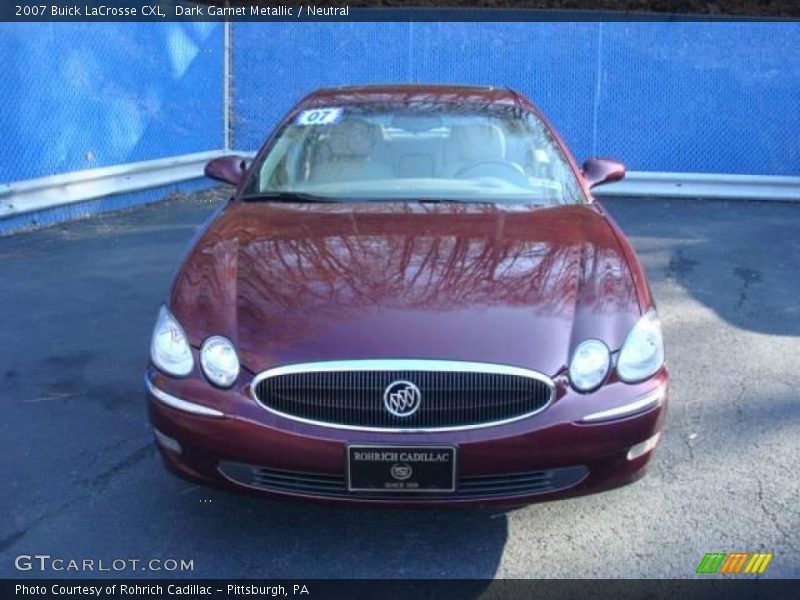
<point x="432" y="151"/>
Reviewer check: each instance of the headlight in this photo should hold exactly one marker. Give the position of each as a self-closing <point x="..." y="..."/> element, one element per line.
<point x="219" y="361"/>
<point x="169" y="348"/>
<point x="642" y="354"/>
<point x="589" y="365"/>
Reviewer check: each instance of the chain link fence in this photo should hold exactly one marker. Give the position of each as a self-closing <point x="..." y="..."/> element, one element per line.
<point x="81" y="96"/>
<point x="665" y="96"/>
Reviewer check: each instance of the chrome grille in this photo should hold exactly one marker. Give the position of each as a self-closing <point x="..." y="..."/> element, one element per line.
<point x="475" y="487"/>
<point x="453" y="394"/>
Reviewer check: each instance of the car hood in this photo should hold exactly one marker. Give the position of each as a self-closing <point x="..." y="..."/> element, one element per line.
<point x="290" y="283"/>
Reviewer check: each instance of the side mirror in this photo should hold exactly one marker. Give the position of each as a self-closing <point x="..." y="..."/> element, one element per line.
<point x="597" y="171"/>
<point x="228" y="169"/>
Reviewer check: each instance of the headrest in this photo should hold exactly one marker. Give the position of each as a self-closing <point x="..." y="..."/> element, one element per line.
<point x="478" y="141"/>
<point x="353" y="137"/>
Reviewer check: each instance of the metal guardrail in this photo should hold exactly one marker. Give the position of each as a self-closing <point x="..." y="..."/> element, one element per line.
<point x="57" y="190"/>
<point x="67" y="188"/>
<point x="704" y="185"/>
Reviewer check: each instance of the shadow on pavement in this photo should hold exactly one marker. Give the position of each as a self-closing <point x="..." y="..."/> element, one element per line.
<point x="740" y="259"/>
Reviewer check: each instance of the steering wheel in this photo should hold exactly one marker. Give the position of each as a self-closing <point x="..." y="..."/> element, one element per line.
<point x="515" y="170"/>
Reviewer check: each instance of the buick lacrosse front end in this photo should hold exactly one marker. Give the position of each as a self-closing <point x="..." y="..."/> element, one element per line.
<point x="411" y="298"/>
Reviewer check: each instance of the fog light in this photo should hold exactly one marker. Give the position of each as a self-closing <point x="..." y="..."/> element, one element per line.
<point x="643" y="447"/>
<point x="167" y="442"/>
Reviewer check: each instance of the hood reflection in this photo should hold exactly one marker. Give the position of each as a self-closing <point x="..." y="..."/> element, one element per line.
<point x="433" y="259"/>
<point x="362" y="277"/>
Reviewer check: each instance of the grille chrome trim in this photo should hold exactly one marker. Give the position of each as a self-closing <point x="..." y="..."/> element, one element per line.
<point x="334" y="485"/>
<point x="401" y="365"/>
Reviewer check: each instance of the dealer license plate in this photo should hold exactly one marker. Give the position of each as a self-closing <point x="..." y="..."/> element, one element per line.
<point x="378" y="468"/>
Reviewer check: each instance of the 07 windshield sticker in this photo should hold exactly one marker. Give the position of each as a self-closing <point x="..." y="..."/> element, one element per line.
<point x="320" y="116"/>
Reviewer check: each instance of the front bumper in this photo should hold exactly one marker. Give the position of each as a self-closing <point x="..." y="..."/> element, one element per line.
<point x="582" y="443"/>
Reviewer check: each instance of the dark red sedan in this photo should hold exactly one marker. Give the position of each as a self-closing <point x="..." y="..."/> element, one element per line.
<point x="411" y="298"/>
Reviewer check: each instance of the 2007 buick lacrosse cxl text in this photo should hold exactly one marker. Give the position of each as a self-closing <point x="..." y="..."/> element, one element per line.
<point x="411" y="298"/>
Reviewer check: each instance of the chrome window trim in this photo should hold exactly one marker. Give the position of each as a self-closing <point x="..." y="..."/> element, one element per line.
<point x="649" y="400"/>
<point x="401" y="364"/>
<point x="180" y="404"/>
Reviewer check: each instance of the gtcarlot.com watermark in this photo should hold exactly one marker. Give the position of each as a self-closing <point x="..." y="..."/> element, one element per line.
<point x="44" y="563"/>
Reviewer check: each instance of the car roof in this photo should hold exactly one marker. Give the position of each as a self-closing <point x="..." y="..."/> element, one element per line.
<point x="393" y="92"/>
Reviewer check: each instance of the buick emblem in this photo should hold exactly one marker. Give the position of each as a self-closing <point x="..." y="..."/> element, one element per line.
<point x="402" y="398"/>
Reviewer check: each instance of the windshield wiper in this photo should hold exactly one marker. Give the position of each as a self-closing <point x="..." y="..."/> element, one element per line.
<point x="286" y="197"/>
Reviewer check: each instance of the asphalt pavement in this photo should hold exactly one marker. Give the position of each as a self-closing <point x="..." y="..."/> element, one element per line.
<point x="82" y="480"/>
